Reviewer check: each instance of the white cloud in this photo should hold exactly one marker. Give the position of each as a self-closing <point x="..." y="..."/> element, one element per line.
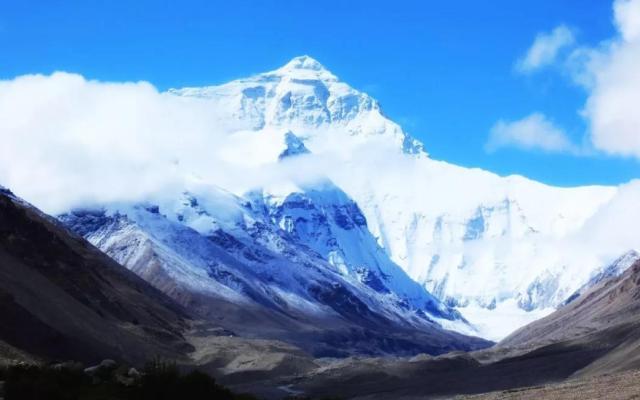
<point x="545" y="49"/>
<point x="611" y="75"/>
<point x="627" y="17"/>
<point x="66" y="142"/>
<point x="612" y="228"/>
<point x="534" y="132"/>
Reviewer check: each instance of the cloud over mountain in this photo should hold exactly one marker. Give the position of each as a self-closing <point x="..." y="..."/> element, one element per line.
<point x="68" y="141"/>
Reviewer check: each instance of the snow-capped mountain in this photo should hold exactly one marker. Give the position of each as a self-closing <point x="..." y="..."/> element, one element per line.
<point x="308" y="168"/>
<point x="503" y="250"/>
<point x="323" y="218"/>
<point x="242" y="264"/>
<point x="306" y="99"/>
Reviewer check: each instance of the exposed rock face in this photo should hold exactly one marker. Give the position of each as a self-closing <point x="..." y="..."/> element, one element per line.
<point x="60" y="297"/>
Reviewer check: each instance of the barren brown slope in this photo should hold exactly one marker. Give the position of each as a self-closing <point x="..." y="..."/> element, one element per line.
<point x="607" y="315"/>
<point x="615" y="301"/>
<point x="598" y="333"/>
<point x="62" y="298"/>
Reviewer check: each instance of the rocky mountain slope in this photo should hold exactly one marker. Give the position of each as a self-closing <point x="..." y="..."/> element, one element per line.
<point x="272" y="272"/>
<point x="606" y="313"/>
<point x="62" y="298"/>
<point x="584" y="349"/>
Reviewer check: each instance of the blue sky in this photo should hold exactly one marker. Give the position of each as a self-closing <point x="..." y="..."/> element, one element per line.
<point x="443" y="70"/>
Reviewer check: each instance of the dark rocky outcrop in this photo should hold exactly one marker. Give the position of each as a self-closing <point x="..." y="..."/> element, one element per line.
<point x="62" y="298"/>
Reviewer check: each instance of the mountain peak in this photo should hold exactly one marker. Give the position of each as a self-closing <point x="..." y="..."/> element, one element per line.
<point x="304" y="62"/>
<point x="305" y="67"/>
<point x="303" y="94"/>
<point x="294" y="146"/>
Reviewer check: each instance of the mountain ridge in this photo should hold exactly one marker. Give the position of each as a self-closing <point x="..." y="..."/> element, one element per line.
<point x="62" y="298"/>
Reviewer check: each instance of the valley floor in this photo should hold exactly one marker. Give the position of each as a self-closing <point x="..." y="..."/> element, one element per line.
<point x="621" y="386"/>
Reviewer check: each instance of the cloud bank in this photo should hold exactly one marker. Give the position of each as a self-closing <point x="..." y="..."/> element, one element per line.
<point x="87" y="141"/>
<point x="67" y="142"/>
